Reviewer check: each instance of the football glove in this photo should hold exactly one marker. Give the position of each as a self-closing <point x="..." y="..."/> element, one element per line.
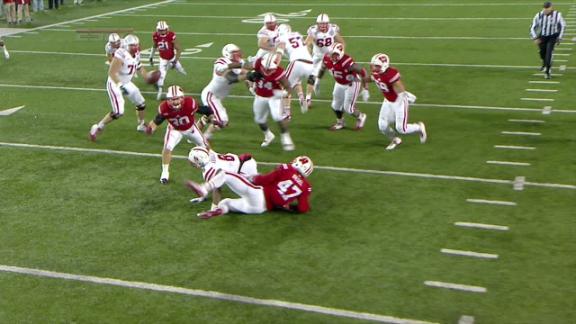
<point x="253" y="76"/>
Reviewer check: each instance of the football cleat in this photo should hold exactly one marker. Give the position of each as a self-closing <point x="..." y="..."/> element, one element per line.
<point x="309" y="103"/>
<point x="360" y="121"/>
<point x="268" y="138"/>
<point x="164" y="177"/>
<point x="288" y="147"/>
<point x="395" y="142"/>
<point x="211" y="213"/>
<point x="197" y="188"/>
<point x="338" y="126"/>
<point x="303" y="105"/>
<point x="547" y="76"/>
<point x="423" y="134"/>
<point x="141" y="128"/>
<point x="94" y="131"/>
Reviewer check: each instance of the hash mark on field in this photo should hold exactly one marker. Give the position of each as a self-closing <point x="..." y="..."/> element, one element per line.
<point x="514" y="147"/>
<point x="466" y="319"/>
<point x="447" y="285"/>
<point x="209" y="294"/>
<point x="482" y="226"/>
<point x="544" y="82"/>
<point x="561" y="54"/>
<point x="542" y="74"/>
<point x="536" y="99"/>
<point x="520" y="133"/>
<point x="470" y="254"/>
<point x="508" y="163"/>
<point x="541" y="90"/>
<point x="491" y="202"/>
<point x="535" y="121"/>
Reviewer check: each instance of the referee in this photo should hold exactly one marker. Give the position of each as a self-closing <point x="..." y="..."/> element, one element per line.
<point x="547" y="30"/>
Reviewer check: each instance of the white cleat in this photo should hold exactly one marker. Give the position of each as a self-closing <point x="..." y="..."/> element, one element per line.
<point x="395" y="142"/>
<point x="94" y="131"/>
<point x="141" y="128"/>
<point x="164" y="177"/>
<point x="423" y="134"/>
<point x="268" y="138"/>
<point x="288" y="147"/>
<point x="360" y="121"/>
<point x="303" y="105"/>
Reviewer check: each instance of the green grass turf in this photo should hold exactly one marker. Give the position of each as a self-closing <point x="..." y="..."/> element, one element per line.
<point x="370" y="241"/>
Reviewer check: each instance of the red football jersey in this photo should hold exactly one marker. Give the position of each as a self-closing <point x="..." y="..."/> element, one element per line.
<point x="182" y="119"/>
<point x="165" y="44"/>
<point x="384" y="82"/>
<point x="265" y="87"/>
<point x="283" y="186"/>
<point x="341" y="69"/>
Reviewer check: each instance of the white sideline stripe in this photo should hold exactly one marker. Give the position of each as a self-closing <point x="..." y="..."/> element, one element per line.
<point x="545" y="82"/>
<point x="521" y="133"/>
<point x="347" y="36"/>
<point x="508" y="163"/>
<point x="491" y="202"/>
<point x="330" y="168"/>
<point x="208" y="294"/>
<point x="569" y="111"/>
<point x="536" y="99"/>
<point x="339" y="18"/>
<point x="482" y="226"/>
<point x="514" y="147"/>
<point x="447" y="285"/>
<point x="65" y="23"/>
<point x="328" y="4"/>
<point x="470" y="254"/>
<point x="214" y="58"/>
<point x="535" y="121"/>
<point x="541" y="90"/>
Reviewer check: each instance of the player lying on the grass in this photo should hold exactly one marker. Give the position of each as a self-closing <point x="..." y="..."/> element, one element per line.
<point x="4" y="49"/>
<point x="394" y="110"/>
<point x="169" y="49"/>
<point x="285" y="188"/>
<point x="124" y="65"/>
<point x="211" y="162"/>
<point x="179" y="110"/>
<point x="349" y="77"/>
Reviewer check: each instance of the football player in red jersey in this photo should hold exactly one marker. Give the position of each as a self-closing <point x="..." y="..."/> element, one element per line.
<point x="179" y="110"/>
<point x="169" y="48"/>
<point x="394" y="110"/>
<point x="349" y="77"/>
<point x="285" y="188"/>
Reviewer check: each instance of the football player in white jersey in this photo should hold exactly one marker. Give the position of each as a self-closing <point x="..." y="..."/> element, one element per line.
<point x="4" y="49"/>
<point x="320" y="36"/>
<point x="267" y="36"/>
<point x="114" y="43"/>
<point x="211" y="162"/>
<point x="220" y="85"/>
<point x="124" y="65"/>
<point x="292" y="44"/>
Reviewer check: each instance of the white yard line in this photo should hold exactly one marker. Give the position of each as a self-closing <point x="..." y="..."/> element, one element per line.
<point x="560" y="54"/>
<point x="491" y="202"/>
<point x="352" y="4"/>
<point x="453" y="286"/>
<point x="533" y="121"/>
<point x="482" y="226"/>
<point x="208" y="294"/>
<point x="46" y="87"/>
<point x="552" y="74"/>
<point x="520" y="133"/>
<point x="470" y="254"/>
<point x="536" y="99"/>
<point x="557" y="60"/>
<point x="514" y="147"/>
<point x="544" y="82"/>
<point x="339" y="18"/>
<point x="508" y="163"/>
<point x="329" y="168"/>
<point x="541" y="90"/>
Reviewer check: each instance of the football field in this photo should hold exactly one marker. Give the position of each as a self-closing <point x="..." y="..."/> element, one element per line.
<point x="478" y="225"/>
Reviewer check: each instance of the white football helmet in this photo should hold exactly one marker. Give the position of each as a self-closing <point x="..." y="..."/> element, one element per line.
<point x="336" y="49"/>
<point x="303" y="164"/>
<point x="380" y="60"/>
<point x="228" y="51"/>
<point x="199" y="157"/>
<point x="322" y="21"/>
<point x="114" y="38"/>
<point x="269" y="61"/>
<point x="270" y="21"/>
<point x="162" y="25"/>
<point x="131" y="40"/>
<point x="174" y="92"/>
<point x="284" y="29"/>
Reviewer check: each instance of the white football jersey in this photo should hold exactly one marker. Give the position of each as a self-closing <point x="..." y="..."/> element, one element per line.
<point x="228" y="162"/>
<point x="270" y="34"/>
<point x="129" y="64"/>
<point x="322" y="41"/>
<point x="111" y="50"/>
<point x="295" y="47"/>
<point x="219" y="86"/>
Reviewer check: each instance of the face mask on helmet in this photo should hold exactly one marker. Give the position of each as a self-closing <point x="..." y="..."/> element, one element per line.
<point x="336" y="52"/>
<point x="323" y="21"/>
<point x="270" y="21"/>
<point x="162" y="27"/>
<point x="175" y="96"/>
<point x="269" y="63"/>
<point x="232" y="52"/>
<point x="132" y="43"/>
<point x="379" y="63"/>
<point x="303" y="164"/>
<point x="114" y="38"/>
<point x="198" y="157"/>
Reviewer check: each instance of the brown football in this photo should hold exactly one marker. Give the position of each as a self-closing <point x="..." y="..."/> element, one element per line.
<point x="152" y="77"/>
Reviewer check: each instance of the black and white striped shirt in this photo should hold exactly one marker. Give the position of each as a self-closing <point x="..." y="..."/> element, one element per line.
<point x="548" y="24"/>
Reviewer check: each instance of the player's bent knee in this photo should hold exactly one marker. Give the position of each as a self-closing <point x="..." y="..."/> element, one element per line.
<point x="141" y="107"/>
<point x="114" y="115"/>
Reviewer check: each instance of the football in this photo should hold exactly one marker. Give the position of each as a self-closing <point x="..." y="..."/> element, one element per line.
<point x="152" y="77"/>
